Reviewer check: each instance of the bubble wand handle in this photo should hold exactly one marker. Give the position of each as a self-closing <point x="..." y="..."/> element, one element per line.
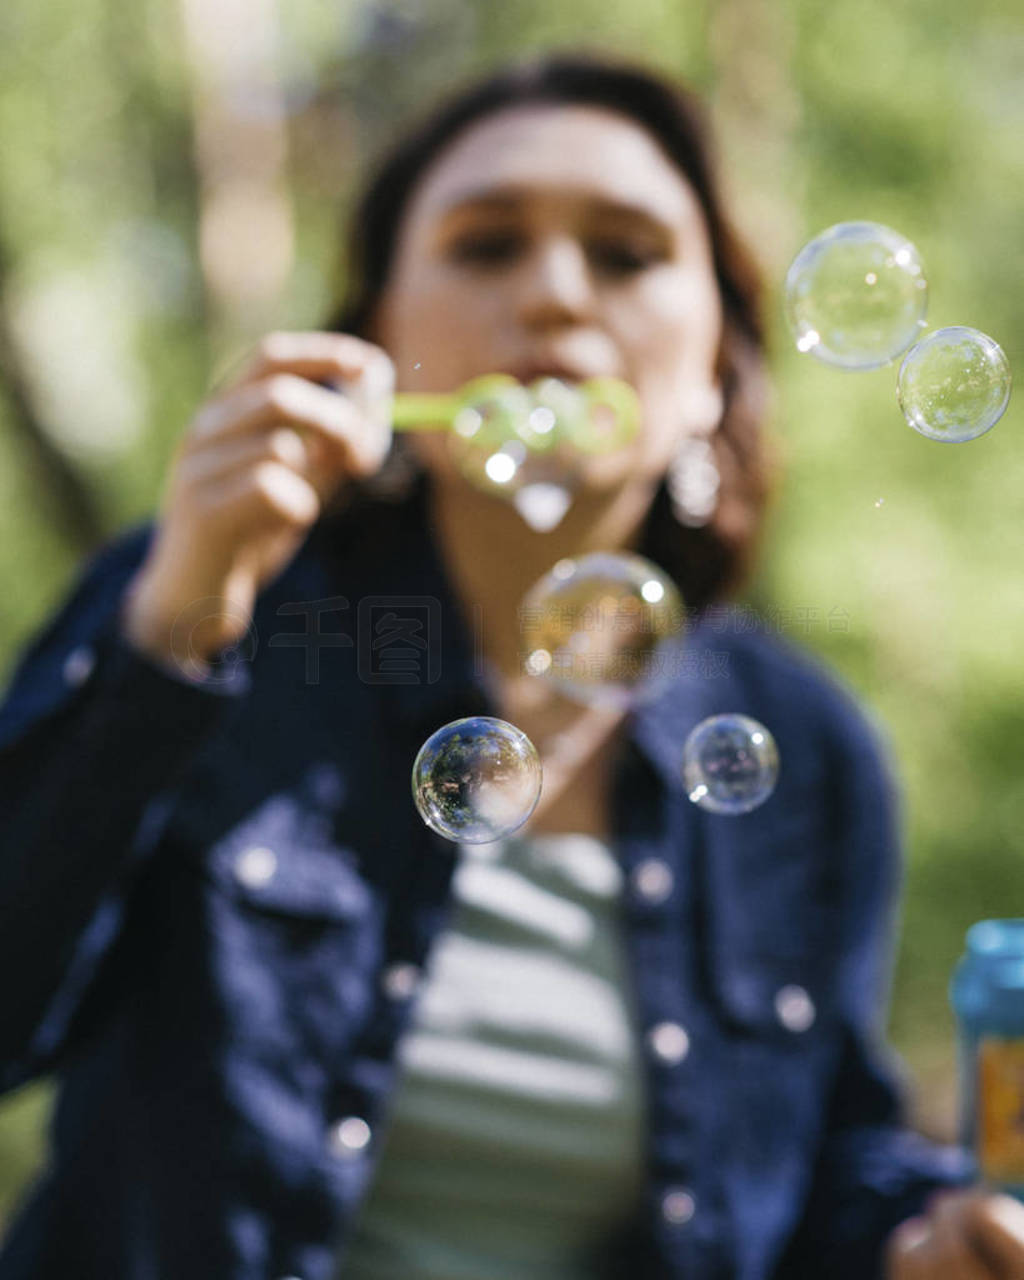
<point x="423" y="411"/>
<point x="431" y="410"/>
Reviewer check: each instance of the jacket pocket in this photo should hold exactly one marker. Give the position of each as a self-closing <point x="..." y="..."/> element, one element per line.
<point x="772" y="917"/>
<point x="307" y="881"/>
<point x="292" y="936"/>
<point x="784" y="999"/>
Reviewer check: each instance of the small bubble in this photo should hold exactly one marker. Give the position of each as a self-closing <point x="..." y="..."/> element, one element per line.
<point x="879" y="502"/>
<point x="954" y="385"/>
<point x="418" y="365"/>
<point x="730" y="764"/>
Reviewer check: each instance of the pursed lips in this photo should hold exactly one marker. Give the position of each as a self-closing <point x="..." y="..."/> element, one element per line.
<point x="528" y="372"/>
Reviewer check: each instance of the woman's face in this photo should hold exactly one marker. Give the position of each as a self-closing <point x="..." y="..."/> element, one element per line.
<point x="560" y="240"/>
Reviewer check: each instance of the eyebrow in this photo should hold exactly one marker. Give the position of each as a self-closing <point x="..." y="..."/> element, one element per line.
<point x="511" y="199"/>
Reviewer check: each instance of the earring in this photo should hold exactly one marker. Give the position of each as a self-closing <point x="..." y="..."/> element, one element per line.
<point x="693" y="481"/>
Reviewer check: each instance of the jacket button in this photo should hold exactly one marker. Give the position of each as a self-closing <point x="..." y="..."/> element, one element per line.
<point x="794" y="1008"/>
<point x="78" y="666"/>
<point x="349" y="1138"/>
<point x="678" y="1206"/>
<point x="668" y="1042"/>
<point x="255" y="867"/>
<point x="652" y="880"/>
<point x="400" y="980"/>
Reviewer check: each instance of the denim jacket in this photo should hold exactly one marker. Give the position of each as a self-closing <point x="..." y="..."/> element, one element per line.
<point x="216" y="898"/>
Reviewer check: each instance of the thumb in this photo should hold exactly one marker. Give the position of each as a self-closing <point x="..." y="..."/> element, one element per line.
<point x="996" y="1225"/>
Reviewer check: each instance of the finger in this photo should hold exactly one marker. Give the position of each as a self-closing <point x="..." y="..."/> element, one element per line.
<point x="924" y="1248"/>
<point x="953" y="1244"/>
<point x="321" y="465"/>
<point x="359" y="369"/>
<point x="223" y="456"/>
<point x="287" y="399"/>
<point x="908" y="1250"/>
<point x="265" y="496"/>
<point x="316" y="355"/>
<point x="996" y="1225"/>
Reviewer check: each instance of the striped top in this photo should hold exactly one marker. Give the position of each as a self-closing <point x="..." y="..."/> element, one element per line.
<point x="516" y="1140"/>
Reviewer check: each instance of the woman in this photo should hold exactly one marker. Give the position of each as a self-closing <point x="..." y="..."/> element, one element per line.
<point x="644" y="1042"/>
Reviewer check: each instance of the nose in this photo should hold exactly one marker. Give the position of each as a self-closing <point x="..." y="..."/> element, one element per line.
<point x="554" y="285"/>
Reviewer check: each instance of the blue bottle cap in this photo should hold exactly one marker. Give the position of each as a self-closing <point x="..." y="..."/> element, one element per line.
<point x="1001" y="939"/>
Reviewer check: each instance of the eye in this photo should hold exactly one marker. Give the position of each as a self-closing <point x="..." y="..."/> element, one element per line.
<point x="493" y="248"/>
<point x="621" y="256"/>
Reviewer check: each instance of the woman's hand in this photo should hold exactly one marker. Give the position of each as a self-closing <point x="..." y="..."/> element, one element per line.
<point x="250" y="476"/>
<point x="963" y="1235"/>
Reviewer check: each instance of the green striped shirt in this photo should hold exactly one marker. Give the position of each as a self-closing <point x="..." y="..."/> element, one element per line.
<point x="516" y="1137"/>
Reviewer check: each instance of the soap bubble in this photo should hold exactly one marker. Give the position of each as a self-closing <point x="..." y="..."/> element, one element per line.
<point x="954" y="385"/>
<point x="503" y="469"/>
<point x="476" y="780"/>
<point x="497" y="410"/>
<point x="529" y="445"/>
<point x="491" y="416"/>
<point x="730" y="764"/>
<point x="610" y="419"/>
<point x="557" y="409"/>
<point x="599" y="627"/>
<point x="856" y="295"/>
<point x="597" y="416"/>
<point x="505" y="437"/>
<point x="541" y="486"/>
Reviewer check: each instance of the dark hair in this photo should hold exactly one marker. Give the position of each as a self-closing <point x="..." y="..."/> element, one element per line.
<point x="706" y="562"/>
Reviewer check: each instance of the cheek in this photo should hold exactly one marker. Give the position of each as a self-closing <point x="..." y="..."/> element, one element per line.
<point x="443" y="325"/>
<point x="680" y="319"/>
<point x="671" y="335"/>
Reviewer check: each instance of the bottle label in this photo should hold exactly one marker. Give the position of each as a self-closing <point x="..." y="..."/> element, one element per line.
<point x="1001" y="1109"/>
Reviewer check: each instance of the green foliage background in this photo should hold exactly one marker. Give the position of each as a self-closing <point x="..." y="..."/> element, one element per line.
<point x="908" y="114"/>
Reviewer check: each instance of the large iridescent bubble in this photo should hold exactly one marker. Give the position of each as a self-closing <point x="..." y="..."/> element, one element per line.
<point x="602" y="627"/>
<point x="856" y="295"/>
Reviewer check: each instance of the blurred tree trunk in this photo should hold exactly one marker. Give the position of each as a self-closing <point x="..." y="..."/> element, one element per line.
<point x="756" y="106"/>
<point x="756" y="109"/>
<point x="67" y="498"/>
<point x="246" y="233"/>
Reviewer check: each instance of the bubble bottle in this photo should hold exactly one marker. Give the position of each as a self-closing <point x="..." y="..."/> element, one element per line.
<point x="987" y="994"/>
